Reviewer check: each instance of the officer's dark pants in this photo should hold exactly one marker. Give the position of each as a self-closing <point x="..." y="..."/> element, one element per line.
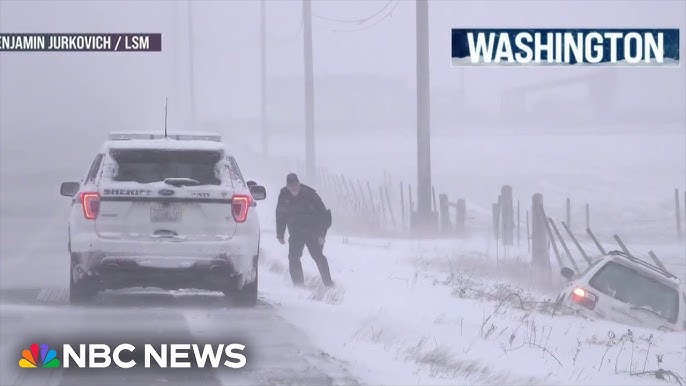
<point x="296" y="244"/>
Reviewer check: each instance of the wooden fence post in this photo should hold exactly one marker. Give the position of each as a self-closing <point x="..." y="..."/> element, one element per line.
<point x="560" y="264"/>
<point x="434" y="213"/>
<point x="390" y="207"/>
<point x="444" y="213"/>
<point x="371" y="197"/>
<point x="576" y="242"/>
<point x="374" y="209"/>
<point x="363" y="197"/>
<point x="595" y="240"/>
<point x="540" y="256"/>
<point x="350" y="191"/>
<point x="588" y="216"/>
<point x="622" y="245"/>
<point x="460" y="210"/>
<point x="339" y="183"/>
<point x="346" y="188"/>
<point x="528" y="237"/>
<point x="657" y="261"/>
<point x="519" y="240"/>
<point x="433" y="198"/>
<point x="330" y="184"/>
<point x="382" y="206"/>
<point x="507" y="214"/>
<point x="564" y="245"/>
<point x="402" y="205"/>
<point x="411" y="206"/>
<point x="496" y="220"/>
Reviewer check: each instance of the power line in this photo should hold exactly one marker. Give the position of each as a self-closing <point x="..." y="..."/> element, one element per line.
<point x="387" y="15"/>
<point x="356" y="21"/>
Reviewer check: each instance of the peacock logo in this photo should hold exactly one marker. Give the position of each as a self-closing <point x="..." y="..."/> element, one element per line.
<point x="48" y="357"/>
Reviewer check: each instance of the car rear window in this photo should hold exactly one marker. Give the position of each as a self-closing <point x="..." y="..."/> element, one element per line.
<point x="637" y="289"/>
<point x="147" y="165"/>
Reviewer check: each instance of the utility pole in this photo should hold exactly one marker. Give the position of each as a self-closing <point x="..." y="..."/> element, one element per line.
<point x="191" y="64"/>
<point x="424" y="215"/>
<point x="309" y="91"/>
<point x="177" y="33"/>
<point x="263" y="77"/>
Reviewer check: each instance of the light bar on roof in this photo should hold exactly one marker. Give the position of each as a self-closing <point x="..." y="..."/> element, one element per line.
<point x="127" y="135"/>
<point x="130" y="135"/>
<point x="196" y="137"/>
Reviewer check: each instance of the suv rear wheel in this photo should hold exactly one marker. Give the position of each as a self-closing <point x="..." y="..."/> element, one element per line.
<point x="82" y="290"/>
<point x="246" y="296"/>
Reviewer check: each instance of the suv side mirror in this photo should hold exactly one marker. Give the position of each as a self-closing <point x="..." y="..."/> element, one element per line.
<point x="567" y="273"/>
<point x="258" y="192"/>
<point x="69" y="189"/>
<point x="251" y="183"/>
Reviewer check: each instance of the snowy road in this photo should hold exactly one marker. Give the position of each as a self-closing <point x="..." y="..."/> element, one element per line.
<point x="34" y="309"/>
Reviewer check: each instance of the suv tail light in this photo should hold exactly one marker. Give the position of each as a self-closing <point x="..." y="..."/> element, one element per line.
<point x="90" y="201"/>
<point x="240" y="204"/>
<point x="584" y="298"/>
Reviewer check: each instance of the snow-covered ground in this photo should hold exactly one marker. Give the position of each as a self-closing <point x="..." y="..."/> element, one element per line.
<point x="444" y="312"/>
<point x="430" y="312"/>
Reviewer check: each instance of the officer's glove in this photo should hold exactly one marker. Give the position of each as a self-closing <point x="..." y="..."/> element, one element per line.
<point x="321" y="241"/>
<point x="282" y="241"/>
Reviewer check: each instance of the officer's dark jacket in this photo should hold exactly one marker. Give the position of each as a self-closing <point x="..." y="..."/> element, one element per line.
<point x="304" y="214"/>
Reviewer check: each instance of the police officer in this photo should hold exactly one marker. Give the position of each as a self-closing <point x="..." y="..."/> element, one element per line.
<point x="301" y="210"/>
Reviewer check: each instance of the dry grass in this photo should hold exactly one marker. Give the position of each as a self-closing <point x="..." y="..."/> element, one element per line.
<point x="508" y="295"/>
<point x="313" y="284"/>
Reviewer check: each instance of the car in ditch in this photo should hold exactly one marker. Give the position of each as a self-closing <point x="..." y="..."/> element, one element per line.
<point x="170" y="211"/>
<point x="628" y="290"/>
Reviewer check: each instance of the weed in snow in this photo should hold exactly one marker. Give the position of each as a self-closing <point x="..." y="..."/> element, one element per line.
<point x="317" y="291"/>
<point x="321" y="293"/>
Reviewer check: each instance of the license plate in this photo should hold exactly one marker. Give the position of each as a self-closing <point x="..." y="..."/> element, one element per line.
<point x="165" y="214"/>
<point x="165" y="262"/>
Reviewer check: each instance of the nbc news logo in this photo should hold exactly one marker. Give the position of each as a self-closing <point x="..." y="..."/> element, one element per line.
<point x="160" y="356"/>
<point x="48" y="357"/>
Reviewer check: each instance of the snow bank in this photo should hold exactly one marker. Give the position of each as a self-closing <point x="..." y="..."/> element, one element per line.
<point x="446" y="312"/>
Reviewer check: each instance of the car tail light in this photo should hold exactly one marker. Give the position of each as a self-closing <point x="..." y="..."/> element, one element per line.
<point x="90" y="201"/>
<point x="584" y="298"/>
<point x="239" y="207"/>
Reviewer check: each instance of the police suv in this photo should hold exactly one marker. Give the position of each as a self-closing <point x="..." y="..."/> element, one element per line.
<point x="166" y="211"/>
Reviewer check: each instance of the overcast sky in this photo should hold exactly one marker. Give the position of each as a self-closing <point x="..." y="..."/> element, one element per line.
<point x="108" y="90"/>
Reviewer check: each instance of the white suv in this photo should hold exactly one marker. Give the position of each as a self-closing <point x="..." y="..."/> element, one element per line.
<point x="628" y="290"/>
<point x="166" y="211"/>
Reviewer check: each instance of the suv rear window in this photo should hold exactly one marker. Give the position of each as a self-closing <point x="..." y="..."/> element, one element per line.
<point x="95" y="166"/>
<point x="637" y="289"/>
<point x="146" y="165"/>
